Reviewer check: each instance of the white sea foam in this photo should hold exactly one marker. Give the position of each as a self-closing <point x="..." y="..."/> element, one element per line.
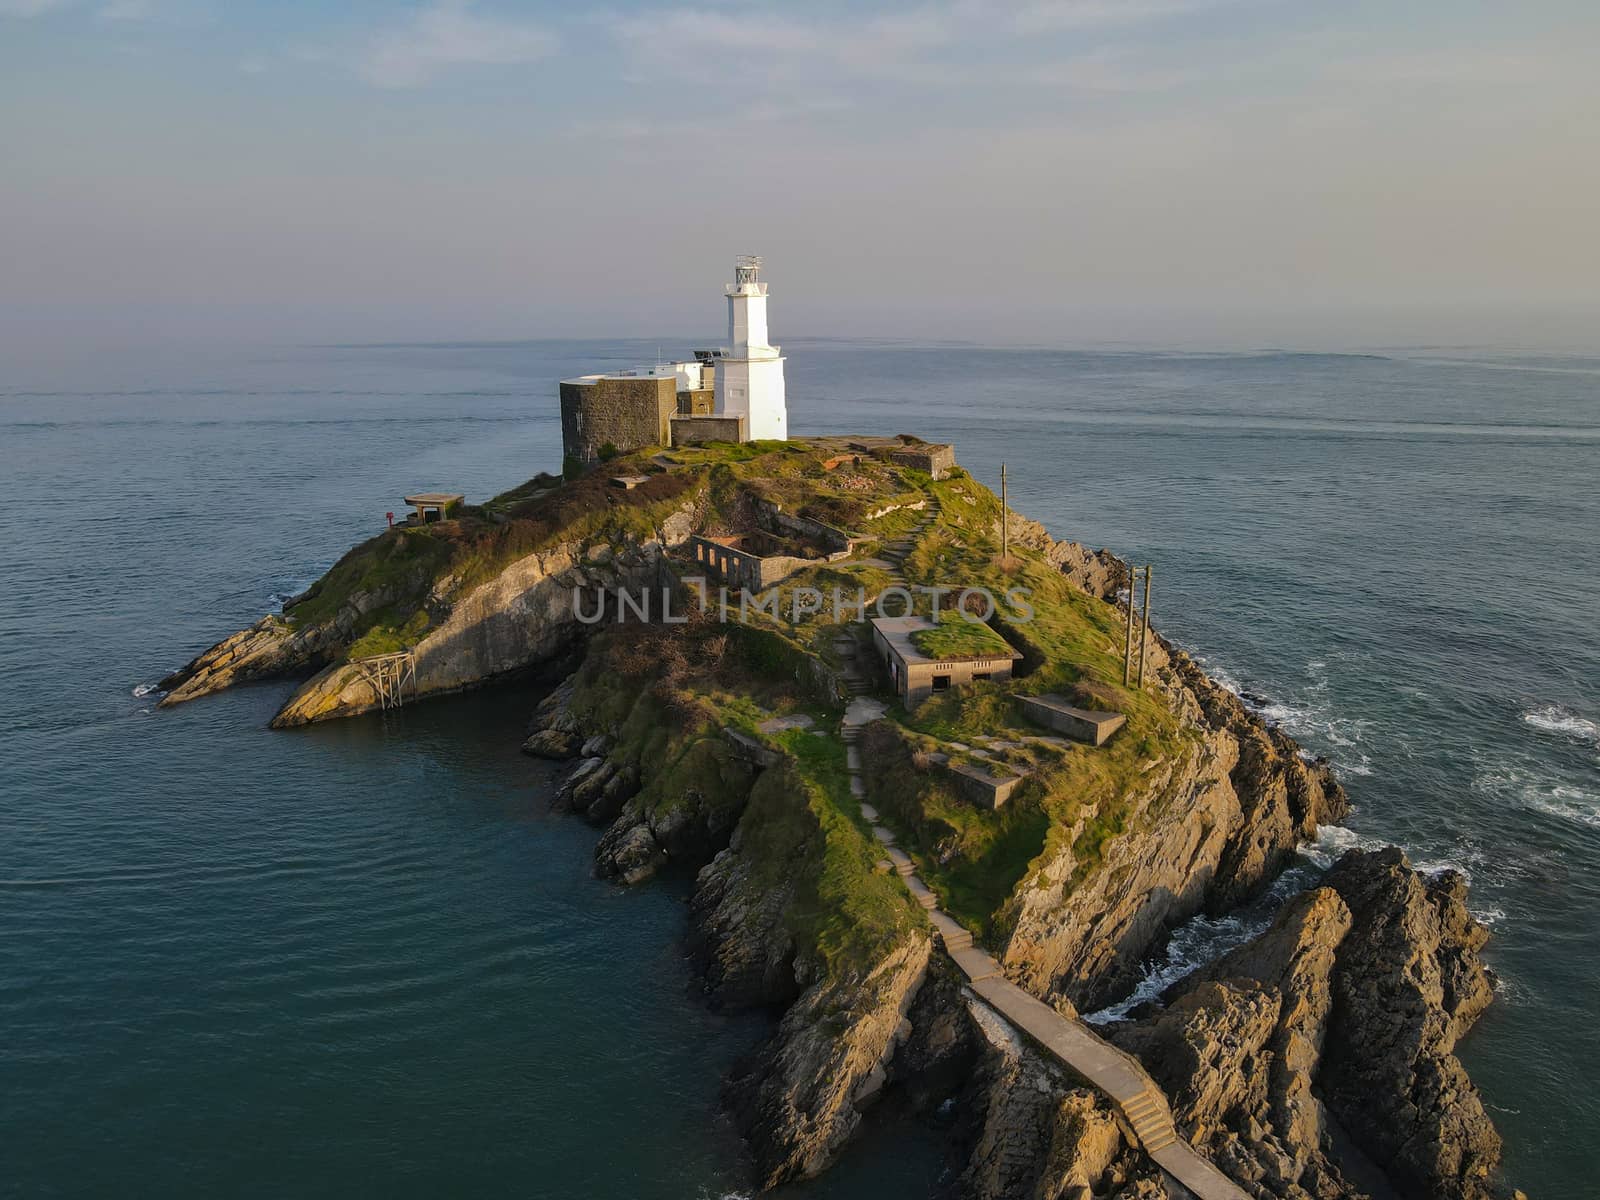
<point x="144" y="689"/>
<point x="1552" y="718"/>
<point x="1200" y="940"/>
<point x="1308" y="716"/>
<point x="1569" y="804"/>
<point x="1333" y="840"/>
<point x="1563" y="801"/>
<point x="1203" y="939"/>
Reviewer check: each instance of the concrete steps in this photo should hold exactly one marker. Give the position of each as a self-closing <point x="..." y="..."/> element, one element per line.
<point x="1113" y="1071"/>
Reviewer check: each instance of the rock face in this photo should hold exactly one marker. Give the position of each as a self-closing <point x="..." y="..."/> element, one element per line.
<point x="1209" y="827"/>
<point x="737" y="934"/>
<point x="525" y="615"/>
<point x="269" y="649"/>
<point x="801" y="1097"/>
<point x="1041" y="1136"/>
<point x="1322" y="1051"/>
<point x="1408" y="985"/>
<point x="1099" y="572"/>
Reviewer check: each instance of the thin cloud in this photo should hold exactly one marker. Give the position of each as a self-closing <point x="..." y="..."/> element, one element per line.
<point x="27" y="8"/>
<point x="445" y="35"/>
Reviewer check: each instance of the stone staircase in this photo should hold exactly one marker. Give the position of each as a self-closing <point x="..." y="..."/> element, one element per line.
<point x="1114" y="1072"/>
<point x="897" y="551"/>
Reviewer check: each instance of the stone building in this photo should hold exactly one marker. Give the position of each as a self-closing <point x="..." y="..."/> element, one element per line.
<point x="603" y="414"/>
<point x="734" y="393"/>
<point x="916" y="676"/>
<point x="936" y="458"/>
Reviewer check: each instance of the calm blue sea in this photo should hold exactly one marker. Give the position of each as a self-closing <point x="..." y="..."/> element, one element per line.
<point x="364" y="959"/>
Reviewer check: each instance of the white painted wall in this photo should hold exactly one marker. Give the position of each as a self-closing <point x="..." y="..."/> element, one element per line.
<point x="747" y="318"/>
<point x="750" y="376"/>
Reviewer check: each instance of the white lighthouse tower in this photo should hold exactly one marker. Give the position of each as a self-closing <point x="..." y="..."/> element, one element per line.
<point x="749" y="379"/>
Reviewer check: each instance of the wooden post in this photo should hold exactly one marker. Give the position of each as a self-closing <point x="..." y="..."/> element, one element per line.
<point x="1005" y="518"/>
<point x="1144" y="633"/>
<point x="1127" y="639"/>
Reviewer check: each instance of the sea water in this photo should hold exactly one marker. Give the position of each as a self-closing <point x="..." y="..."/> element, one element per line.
<point x="364" y="958"/>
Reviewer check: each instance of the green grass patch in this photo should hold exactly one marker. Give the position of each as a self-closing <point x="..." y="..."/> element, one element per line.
<point x="955" y="636"/>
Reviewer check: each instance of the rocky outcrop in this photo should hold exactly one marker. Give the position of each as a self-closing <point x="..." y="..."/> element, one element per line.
<point x="1317" y="1060"/>
<point x="1283" y="796"/>
<point x="555" y="731"/>
<point x="1030" y="1130"/>
<point x="1208" y="827"/>
<point x="738" y="938"/>
<point x="687" y="814"/>
<point x="1407" y="986"/>
<point x="801" y="1097"/>
<point x="271" y="648"/>
<point x="1099" y="572"/>
<point x="278" y="647"/>
<point x="1237" y="1048"/>
<point x="525" y="615"/>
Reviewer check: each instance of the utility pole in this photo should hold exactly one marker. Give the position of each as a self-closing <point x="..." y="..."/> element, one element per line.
<point x="1127" y="638"/>
<point x="1144" y="634"/>
<point x="1005" y="519"/>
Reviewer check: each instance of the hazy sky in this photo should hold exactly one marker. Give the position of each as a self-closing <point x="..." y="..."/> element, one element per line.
<point x="1237" y="171"/>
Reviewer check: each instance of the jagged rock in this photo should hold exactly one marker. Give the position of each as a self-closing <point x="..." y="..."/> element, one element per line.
<point x="575" y="779"/>
<point x="738" y="937"/>
<point x="1040" y="1135"/>
<point x="554" y="732"/>
<point x="940" y="1046"/>
<point x="1098" y="572"/>
<point x="1237" y="1047"/>
<point x="1210" y="826"/>
<point x="632" y="857"/>
<point x="1321" y="1052"/>
<point x="619" y="789"/>
<point x="552" y="743"/>
<point x="1408" y="985"/>
<point x="589" y="789"/>
<point x="797" y="1101"/>
<point x="270" y="648"/>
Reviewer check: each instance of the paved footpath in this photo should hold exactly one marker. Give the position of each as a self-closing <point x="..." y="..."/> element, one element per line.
<point x="1115" y="1072"/>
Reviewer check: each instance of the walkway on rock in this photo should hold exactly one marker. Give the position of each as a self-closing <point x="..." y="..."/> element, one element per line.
<point x="1115" y="1072"/>
<point x="897" y="551"/>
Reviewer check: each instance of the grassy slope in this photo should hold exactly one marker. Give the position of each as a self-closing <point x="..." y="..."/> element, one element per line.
<point x="404" y="566"/>
<point x="802" y="817"/>
<point x="799" y="822"/>
<point x="974" y="858"/>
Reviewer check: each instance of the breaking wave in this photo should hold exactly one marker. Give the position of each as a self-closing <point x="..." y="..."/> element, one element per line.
<point x="1563" y="801"/>
<point x="1310" y="716"/>
<point x="144" y="689"/>
<point x="1203" y="939"/>
<point x="1552" y="718"/>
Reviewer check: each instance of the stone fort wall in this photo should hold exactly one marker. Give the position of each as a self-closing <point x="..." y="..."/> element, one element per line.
<point x="627" y="413"/>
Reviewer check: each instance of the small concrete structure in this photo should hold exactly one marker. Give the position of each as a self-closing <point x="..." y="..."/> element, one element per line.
<point x="983" y="787"/>
<point x="916" y="676"/>
<point x="689" y="429"/>
<point x="628" y="482"/>
<point x="1080" y="724"/>
<point x="433" y="506"/>
<point x="936" y="458"/>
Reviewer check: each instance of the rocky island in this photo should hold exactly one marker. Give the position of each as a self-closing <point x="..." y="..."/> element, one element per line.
<point x="927" y="892"/>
